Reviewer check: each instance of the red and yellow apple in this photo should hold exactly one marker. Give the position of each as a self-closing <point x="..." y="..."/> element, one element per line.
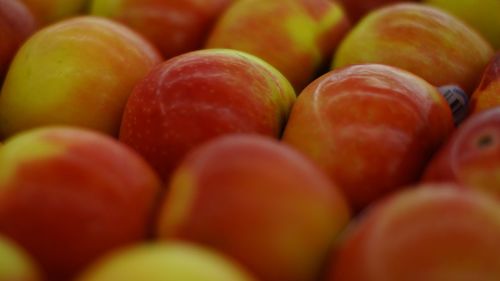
<point x="471" y="157"/>
<point x="487" y="94"/>
<point x="483" y="16"/>
<point x="50" y="11"/>
<point x="16" y="24"/>
<point x="372" y="128"/>
<point x="165" y="262"/>
<point x="69" y="195"/>
<point x="174" y="26"/>
<point x="257" y="201"/>
<point x="77" y="72"/>
<point x="425" y="234"/>
<point x="295" y="36"/>
<point x="424" y="40"/>
<point x="15" y="264"/>
<point x="198" y="96"/>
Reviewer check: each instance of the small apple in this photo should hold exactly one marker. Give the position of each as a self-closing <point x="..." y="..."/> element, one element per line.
<point x="487" y="94"/>
<point x="295" y="36"/>
<point x="483" y="17"/>
<point x="165" y="262"/>
<point x="424" y="40"/>
<point x="471" y="157"/>
<point x="372" y="128"/>
<point x="425" y="234"/>
<point x="16" y="24"/>
<point x="356" y="9"/>
<point x="257" y="201"/>
<point x="198" y="96"/>
<point x="15" y="264"/>
<point x="76" y="72"/>
<point x="174" y="26"/>
<point x="70" y="195"/>
<point x="50" y="11"/>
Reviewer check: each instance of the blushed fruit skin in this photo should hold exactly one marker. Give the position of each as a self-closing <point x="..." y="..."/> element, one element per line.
<point x="484" y="18"/>
<point x="77" y="72"/>
<point x="16" y="24"/>
<point x="428" y="233"/>
<point x="257" y="201"/>
<point x="423" y="40"/>
<point x="198" y="96"/>
<point x="295" y="36"/>
<point x="15" y="264"/>
<point x="486" y="95"/>
<point x="69" y="195"/>
<point x="356" y="9"/>
<point x="171" y="261"/>
<point x="175" y="27"/>
<point x="371" y="128"/>
<point x="51" y="11"/>
<point x="471" y="157"/>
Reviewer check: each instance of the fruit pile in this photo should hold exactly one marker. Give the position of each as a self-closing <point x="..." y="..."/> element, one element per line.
<point x="245" y="140"/>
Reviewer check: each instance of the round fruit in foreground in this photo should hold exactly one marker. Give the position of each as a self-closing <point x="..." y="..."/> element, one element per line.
<point x="15" y="264"/>
<point x="372" y="128"/>
<point x="69" y="195"/>
<point x="425" y="234"/>
<point x="198" y="96"/>
<point x="257" y="201"/>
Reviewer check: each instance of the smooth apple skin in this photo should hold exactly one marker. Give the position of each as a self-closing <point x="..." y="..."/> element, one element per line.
<point x="423" y="40"/>
<point x="51" y="11"/>
<point x="77" y="72"/>
<point x="198" y="96"/>
<point x="356" y="9"/>
<point x="471" y="157"/>
<point x="173" y="261"/>
<point x="69" y="195"/>
<point x="484" y="18"/>
<point x="371" y="128"/>
<point x="424" y="234"/>
<point x="175" y="27"/>
<point x="257" y="201"/>
<point x="296" y="37"/>
<point x="15" y="264"/>
<point x="16" y="24"/>
<point x="487" y="95"/>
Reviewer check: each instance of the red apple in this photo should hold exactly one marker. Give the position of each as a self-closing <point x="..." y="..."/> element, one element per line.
<point x="356" y="9"/>
<point x="15" y="264"/>
<point x="76" y="72"/>
<point x="69" y="195"/>
<point x="200" y="95"/>
<point x="174" y="26"/>
<point x="372" y="128"/>
<point x="423" y="234"/>
<point x="16" y="24"/>
<point x="257" y="201"/>
<point x="487" y="95"/>
<point x="165" y="262"/>
<point x="295" y="36"/>
<point x="471" y="157"/>
<point x="424" y="40"/>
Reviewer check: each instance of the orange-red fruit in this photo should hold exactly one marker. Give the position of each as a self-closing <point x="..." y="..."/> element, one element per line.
<point x="471" y="157"/>
<point x="372" y="128"/>
<point x="259" y="202"/>
<point x="68" y="196"/>
<point x="424" y="234"/>
<point x="487" y="94"/>
<point x="423" y="40"/>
